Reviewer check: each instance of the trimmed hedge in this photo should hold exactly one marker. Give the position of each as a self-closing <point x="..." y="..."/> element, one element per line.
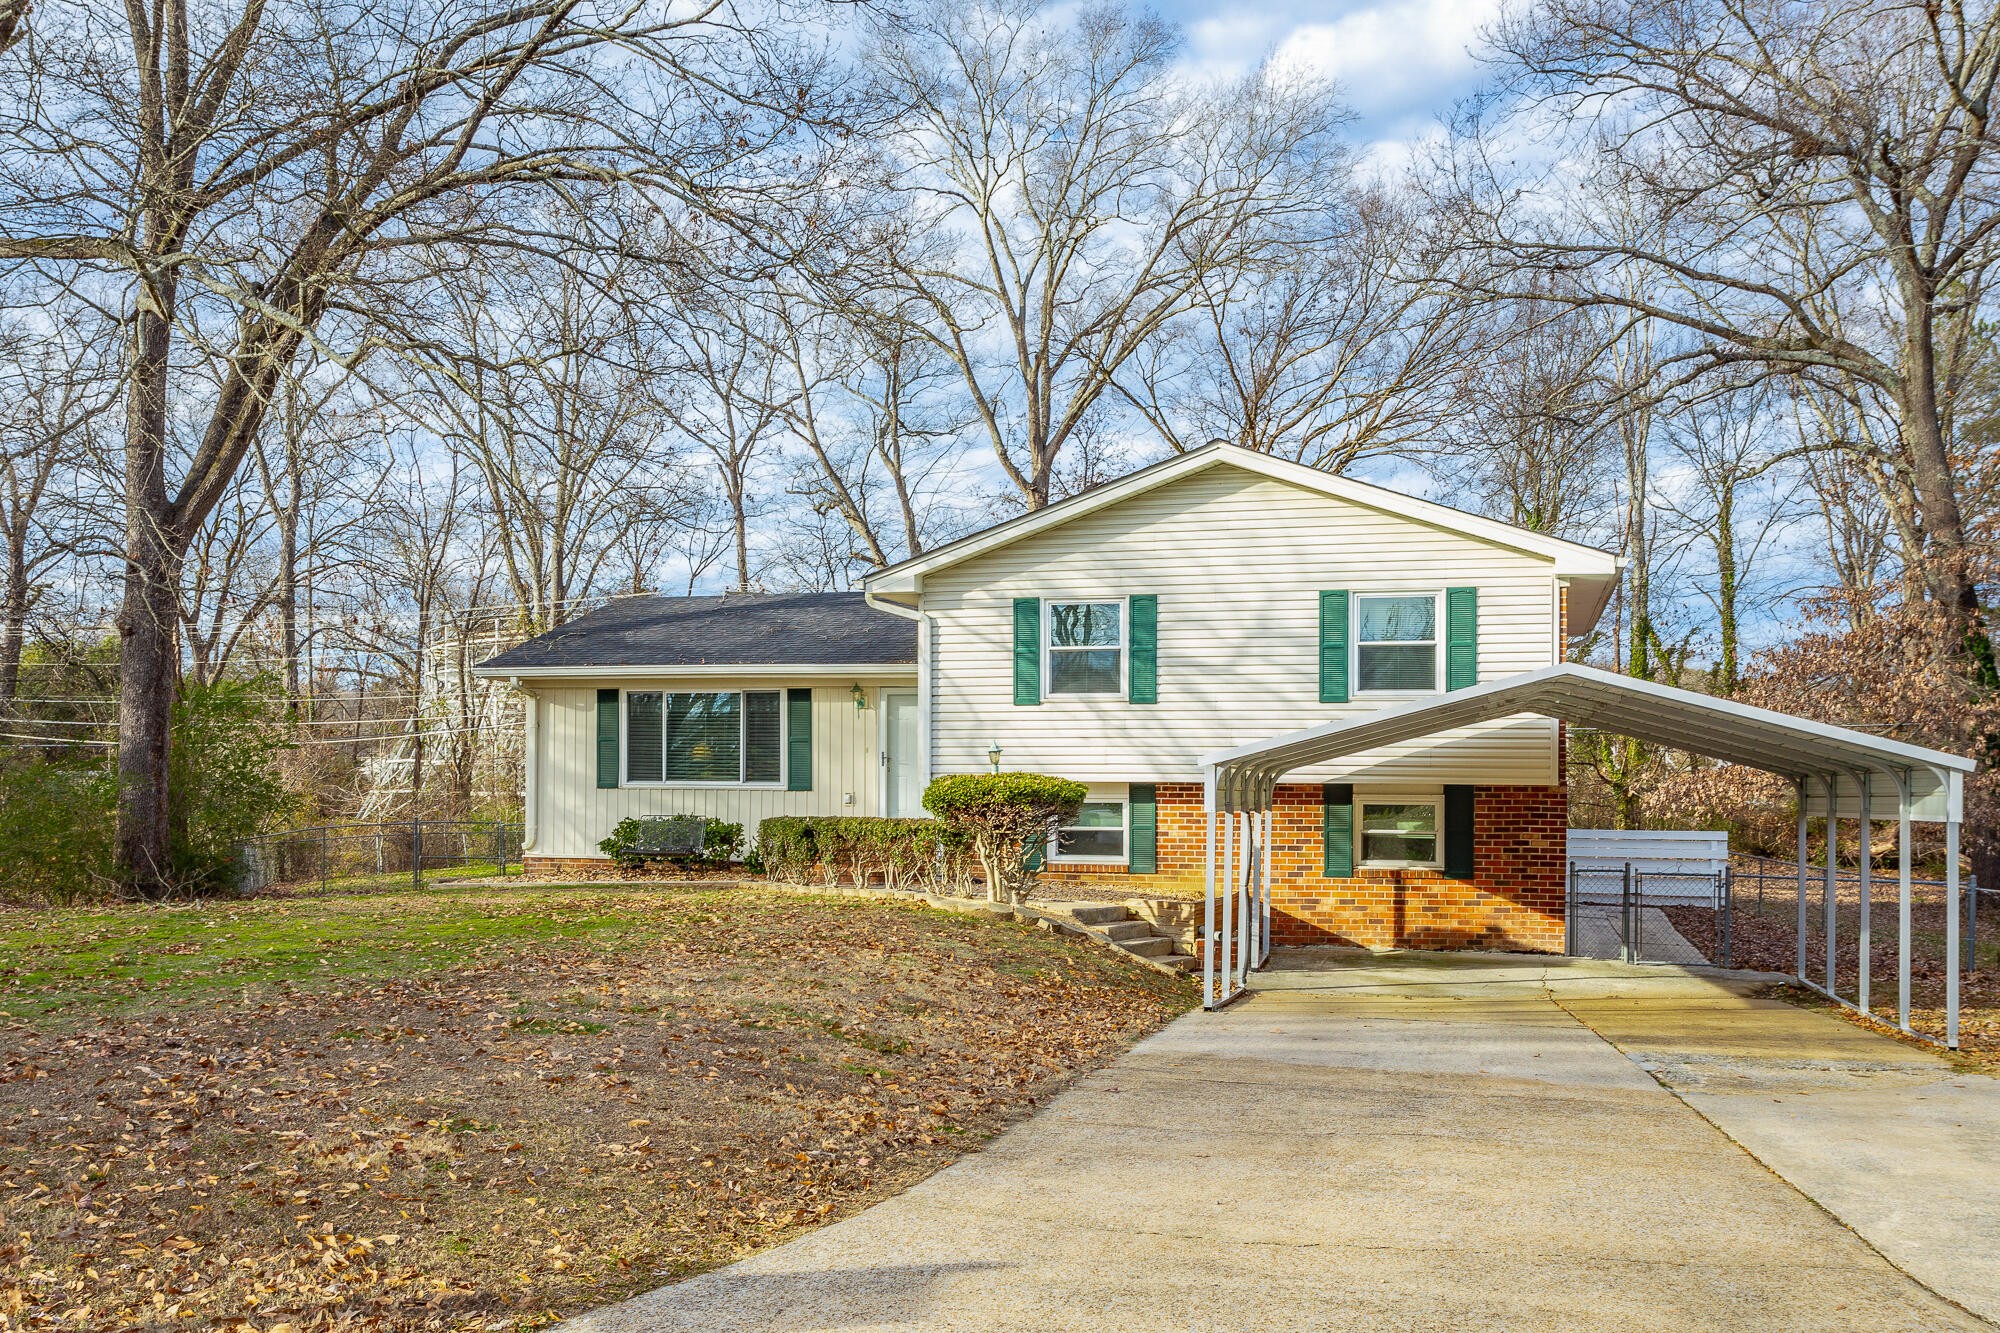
<point x="920" y="854"/>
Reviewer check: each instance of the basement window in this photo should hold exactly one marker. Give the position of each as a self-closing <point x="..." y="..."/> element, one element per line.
<point x="1399" y="833"/>
<point x="1096" y="836"/>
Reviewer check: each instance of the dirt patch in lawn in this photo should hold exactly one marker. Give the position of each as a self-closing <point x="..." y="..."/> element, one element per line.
<point x="491" y="1107"/>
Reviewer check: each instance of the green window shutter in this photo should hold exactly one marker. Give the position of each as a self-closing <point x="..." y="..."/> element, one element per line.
<point x="1143" y="680"/>
<point x="1027" y="650"/>
<point x="1333" y="647"/>
<point x="1337" y="829"/>
<point x="1034" y="853"/>
<point x="1461" y="637"/>
<point x="607" y="738"/>
<point x="1143" y="814"/>
<point x="1458" y="832"/>
<point x="799" y="740"/>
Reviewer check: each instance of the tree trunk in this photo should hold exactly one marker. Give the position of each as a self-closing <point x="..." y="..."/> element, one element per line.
<point x="737" y="510"/>
<point x="1726" y="590"/>
<point x="148" y="664"/>
<point x="13" y="626"/>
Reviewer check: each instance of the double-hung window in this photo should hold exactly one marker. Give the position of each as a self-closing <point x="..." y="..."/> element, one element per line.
<point x="1399" y="833"/>
<point x="695" y="737"/>
<point x="1396" y="643"/>
<point x="1097" y="834"/>
<point x="1084" y="643"/>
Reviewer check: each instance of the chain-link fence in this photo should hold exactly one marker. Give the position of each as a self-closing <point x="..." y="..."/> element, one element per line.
<point x="1772" y="938"/>
<point x="1635" y="915"/>
<point x="372" y="854"/>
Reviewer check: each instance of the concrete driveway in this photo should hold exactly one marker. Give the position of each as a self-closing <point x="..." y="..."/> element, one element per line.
<point x="1432" y="1141"/>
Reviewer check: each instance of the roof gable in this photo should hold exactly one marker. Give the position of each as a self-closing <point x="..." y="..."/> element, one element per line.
<point x="1596" y="570"/>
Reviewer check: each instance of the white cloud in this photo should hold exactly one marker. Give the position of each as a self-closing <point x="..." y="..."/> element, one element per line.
<point x="1396" y="59"/>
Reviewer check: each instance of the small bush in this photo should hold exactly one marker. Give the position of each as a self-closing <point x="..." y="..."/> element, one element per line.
<point x="55" y="834"/>
<point x="222" y="780"/>
<point x="634" y="842"/>
<point x="1006" y="816"/>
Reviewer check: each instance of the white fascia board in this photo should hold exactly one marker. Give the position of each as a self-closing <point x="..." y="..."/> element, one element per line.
<point x="709" y="671"/>
<point x="1571" y="559"/>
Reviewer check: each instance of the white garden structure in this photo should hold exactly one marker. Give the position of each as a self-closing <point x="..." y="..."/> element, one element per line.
<point x="1839" y="773"/>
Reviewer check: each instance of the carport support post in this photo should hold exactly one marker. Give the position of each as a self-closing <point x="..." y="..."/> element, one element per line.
<point x="1230" y="944"/>
<point x="1208" y="899"/>
<point x="1867" y="885"/>
<point x="1903" y="901"/>
<point x="1832" y="880"/>
<point x="1801" y="970"/>
<point x="1270" y="818"/>
<point x="1952" y="908"/>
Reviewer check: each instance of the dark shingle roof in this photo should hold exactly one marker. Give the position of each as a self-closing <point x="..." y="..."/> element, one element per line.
<point x="774" y="629"/>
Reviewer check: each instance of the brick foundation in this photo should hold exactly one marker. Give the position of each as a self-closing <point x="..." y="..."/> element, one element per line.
<point x="568" y="867"/>
<point x="1514" y="900"/>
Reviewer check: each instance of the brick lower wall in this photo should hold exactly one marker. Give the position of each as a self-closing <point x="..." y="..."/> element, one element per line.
<point x="1514" y="900"/>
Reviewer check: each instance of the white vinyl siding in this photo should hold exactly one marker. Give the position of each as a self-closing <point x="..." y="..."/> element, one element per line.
<point x="573" y="813"/>
<point x="1238" y="562"/>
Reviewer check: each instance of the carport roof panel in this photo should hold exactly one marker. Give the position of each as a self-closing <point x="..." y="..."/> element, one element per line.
<point x="1662" y="714"/>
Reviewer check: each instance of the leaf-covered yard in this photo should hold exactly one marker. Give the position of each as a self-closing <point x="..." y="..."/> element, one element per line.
<point x="487" y="1107"/>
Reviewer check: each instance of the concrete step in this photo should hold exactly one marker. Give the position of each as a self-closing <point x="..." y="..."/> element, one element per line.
<point x="1126" y="930"/>
<point x="1101" y="914"/>
<point x="1186" y="962"/>
<point x="1152" y="946"/>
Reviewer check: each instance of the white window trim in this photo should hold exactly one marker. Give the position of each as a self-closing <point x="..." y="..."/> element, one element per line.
<point x="1124" y="648"/>
<point x="1124" y="800"/>
<point x="1361" y="806"/>
<point x="742" y="739"/>
<point x="1437" y="596"/>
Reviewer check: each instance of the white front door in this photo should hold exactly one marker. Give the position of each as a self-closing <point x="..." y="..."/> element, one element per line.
<point x="902" y="769"/>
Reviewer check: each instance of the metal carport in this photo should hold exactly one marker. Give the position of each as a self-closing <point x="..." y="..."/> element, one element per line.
<point x="1837" y="772"/>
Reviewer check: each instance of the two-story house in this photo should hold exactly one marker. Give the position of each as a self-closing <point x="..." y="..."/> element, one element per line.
<point x="1209" y="601"/>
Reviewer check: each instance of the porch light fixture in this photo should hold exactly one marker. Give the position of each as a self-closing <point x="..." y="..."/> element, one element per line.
<point x="993" y="755"/>
<point x="860" y="698"/>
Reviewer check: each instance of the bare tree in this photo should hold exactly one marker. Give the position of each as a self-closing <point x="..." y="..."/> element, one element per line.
<point x="56" y="396"/>
<point x="306" y="462"/>
<point x="1725" y="440"/>
<point x="548" y="383"/>
<point x="732" y="394"/>
<point x="1348" y="348"/>
<point x="1818" y="184"/>
<point x="231" y="182"/>
<point x="874" y="403"/>
<point x="1527" y="433"/>
<point x="1065" y="198"/>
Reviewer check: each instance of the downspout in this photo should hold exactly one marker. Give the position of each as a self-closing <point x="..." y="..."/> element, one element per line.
<point x="923" y="623"/>
<point x="531" y="777"/>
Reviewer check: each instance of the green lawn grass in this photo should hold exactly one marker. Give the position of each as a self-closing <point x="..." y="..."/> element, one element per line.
<point x="81" y="963"/>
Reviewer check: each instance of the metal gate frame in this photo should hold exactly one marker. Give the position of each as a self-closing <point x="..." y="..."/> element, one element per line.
<point x="1631" y="914"/>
